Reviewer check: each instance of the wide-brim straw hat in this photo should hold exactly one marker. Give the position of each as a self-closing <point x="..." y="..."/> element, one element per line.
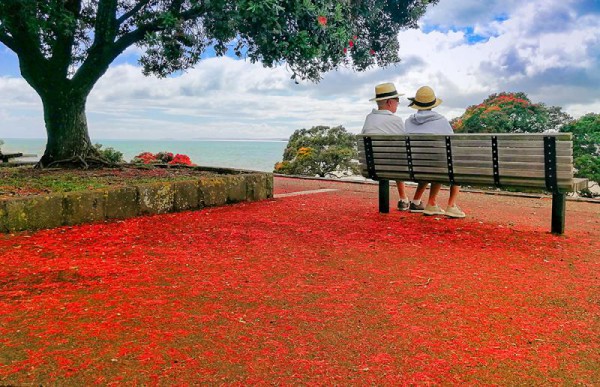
<point x="425" y="99"/>
<point x="385" y="91"/>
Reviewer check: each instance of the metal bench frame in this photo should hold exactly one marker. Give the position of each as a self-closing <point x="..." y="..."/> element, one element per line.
<point x="540" y="161"/>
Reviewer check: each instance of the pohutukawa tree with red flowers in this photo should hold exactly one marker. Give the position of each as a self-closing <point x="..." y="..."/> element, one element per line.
<point x="510" y="113"/>
<point x="65" y="46"/>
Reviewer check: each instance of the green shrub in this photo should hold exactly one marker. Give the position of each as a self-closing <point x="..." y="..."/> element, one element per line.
<point x="586" y="148"/>
<point x="110" y="154"/>
<point x="320" y="151"/>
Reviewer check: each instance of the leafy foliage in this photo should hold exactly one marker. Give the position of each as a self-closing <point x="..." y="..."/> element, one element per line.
<point x="110" y="154"/>
<point x="321" y="151"/>
<point x="586" y="145"/>
<point x="510" y="113"/>
<point x="309" y="36"/>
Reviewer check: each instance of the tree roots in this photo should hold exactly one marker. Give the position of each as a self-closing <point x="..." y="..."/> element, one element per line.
<point x="75" y="162"/>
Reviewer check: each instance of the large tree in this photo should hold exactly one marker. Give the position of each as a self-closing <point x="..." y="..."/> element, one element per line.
<point x="65" y="46"/>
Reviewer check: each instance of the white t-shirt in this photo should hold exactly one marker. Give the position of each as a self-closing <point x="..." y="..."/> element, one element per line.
<point x="427" y="121"/>
<point x="383" y="122"/>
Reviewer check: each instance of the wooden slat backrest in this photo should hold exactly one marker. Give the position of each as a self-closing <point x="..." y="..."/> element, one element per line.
<point x="521" y="159"/>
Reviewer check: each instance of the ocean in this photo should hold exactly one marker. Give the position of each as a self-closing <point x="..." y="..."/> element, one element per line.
<point x="256" y="155"/>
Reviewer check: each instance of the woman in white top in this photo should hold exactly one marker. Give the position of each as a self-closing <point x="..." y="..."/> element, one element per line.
<point x="427" y="121"/>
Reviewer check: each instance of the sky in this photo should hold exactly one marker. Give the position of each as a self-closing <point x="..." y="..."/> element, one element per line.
<point x="464" y="49"/>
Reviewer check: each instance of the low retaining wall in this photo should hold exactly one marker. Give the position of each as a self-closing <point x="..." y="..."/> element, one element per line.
<point x="61" y="209"/>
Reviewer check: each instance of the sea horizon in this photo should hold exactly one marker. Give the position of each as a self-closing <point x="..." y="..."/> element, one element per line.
<point x="278" y="139"/>
<point x="242" y="153"/>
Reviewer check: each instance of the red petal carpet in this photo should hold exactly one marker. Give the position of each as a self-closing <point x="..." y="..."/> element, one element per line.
<point x="313" y="289"/>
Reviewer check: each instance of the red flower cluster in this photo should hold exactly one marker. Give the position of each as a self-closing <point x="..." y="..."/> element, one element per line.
<point x="145" y="158"/>
<point x="181" y="160"/>
<point x="162" y="158"/>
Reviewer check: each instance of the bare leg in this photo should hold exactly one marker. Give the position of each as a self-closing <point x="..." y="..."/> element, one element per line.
<point x="420" y="191"/>
<point x="433" y="193"/>
<point x="454" y="190"/>
<point x="401" y="190"/>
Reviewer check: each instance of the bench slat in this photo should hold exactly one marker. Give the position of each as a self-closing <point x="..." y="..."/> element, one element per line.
<point x="568" y="185"/>
<point x="513" y="151"/>
<point x="441" y="143"/>
<point x="456" y="150"/>
<point x="566" y="167"/>
<point x="485" y="171"/>
<point x="470" y="136"/>
<point x="539" y="159"/>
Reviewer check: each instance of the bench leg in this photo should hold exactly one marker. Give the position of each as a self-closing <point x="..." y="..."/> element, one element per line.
<point x="384" y="196"/>
<point x="558" y="213"/>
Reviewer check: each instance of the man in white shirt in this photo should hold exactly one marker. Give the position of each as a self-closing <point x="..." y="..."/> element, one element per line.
<point x="427" y="121"/>
<point x="383" y="121"/>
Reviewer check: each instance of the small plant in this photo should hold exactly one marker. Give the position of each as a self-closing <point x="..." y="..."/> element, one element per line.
<point x="164" y="157"/>
<point x="110" y="154"/>
<point x="1" y="143"/>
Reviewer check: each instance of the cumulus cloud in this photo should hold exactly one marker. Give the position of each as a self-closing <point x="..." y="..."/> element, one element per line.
<point x="465" y="49"/>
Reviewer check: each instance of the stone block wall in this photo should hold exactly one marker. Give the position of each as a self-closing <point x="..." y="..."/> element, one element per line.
<point x="55" y="210"/>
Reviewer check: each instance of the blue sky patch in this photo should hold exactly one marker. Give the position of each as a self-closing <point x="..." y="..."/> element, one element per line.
<point x="470" y="36"/>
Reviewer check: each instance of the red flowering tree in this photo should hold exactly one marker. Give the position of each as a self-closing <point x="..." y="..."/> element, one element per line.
<point x="64" y="47"/>
<point x="510" y="113"/>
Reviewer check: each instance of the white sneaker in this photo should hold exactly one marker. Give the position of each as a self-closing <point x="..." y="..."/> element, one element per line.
<point x="454" y="212"/>
<point x="433" y="210"/>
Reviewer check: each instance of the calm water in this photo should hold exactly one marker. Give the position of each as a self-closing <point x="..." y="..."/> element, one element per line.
<point x="254" y="155"/>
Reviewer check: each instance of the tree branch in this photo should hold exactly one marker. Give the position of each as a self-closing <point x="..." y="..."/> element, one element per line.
<point x="105" y="29"/>
<point x="139" y="34"/>
<point x="103" y="52"/>
<point x="8" y="41"/>
<point x="62" y="52"/>
<point x="26" y="44"/>
<point x="100" y="53"/>
<point x="132" y="11"/>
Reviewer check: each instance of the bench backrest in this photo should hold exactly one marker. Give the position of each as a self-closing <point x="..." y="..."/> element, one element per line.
<point x="518" y="160"/>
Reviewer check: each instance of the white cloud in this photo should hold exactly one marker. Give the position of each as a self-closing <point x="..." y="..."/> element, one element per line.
<point x="549" y="49"/>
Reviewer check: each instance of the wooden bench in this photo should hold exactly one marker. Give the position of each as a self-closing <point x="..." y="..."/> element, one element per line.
<point x="540" y="161"/>
<point x="5" y="157"/>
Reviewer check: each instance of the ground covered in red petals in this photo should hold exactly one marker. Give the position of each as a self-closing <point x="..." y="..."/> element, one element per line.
<point x="307" y="289"/>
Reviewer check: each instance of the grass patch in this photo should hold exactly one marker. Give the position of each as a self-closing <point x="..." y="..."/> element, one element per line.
<point x="25" y="181"/>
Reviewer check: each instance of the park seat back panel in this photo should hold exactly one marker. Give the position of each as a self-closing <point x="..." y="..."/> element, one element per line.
<point x="516" y="160"/>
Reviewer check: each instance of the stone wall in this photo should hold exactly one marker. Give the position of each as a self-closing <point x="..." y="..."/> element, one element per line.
<point x="60" y="209"/>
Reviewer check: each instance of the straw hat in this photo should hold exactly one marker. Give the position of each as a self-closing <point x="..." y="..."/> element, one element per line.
<point x="385" y="91"/>
<point x="425" y="99"/>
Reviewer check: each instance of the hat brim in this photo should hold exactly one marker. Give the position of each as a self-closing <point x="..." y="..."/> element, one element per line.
<point x="438" y="102"/>
<point x="387" y="97"/>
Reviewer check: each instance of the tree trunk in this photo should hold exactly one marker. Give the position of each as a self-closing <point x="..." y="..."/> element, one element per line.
<point x="68" y="143"/>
